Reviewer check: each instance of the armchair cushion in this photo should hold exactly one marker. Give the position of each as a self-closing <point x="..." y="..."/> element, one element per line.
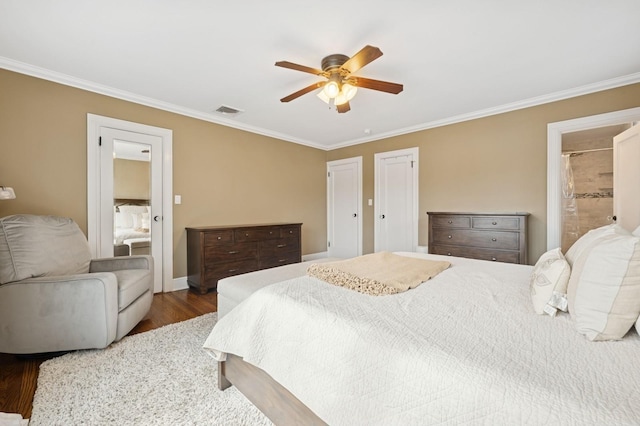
<point x="36" y="246"/>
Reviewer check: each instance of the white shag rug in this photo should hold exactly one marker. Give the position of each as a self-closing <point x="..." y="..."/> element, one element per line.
<point x="160" y="377"/>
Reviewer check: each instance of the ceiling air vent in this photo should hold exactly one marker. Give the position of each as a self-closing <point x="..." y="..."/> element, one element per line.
<point x="227" y="110"/>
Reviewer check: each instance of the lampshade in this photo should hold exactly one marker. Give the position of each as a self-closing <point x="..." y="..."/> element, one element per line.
<point x="331" y="89"/>
<point x="7" y="193"/>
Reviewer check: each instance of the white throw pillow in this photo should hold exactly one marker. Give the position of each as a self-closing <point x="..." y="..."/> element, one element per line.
<point x="604" y="288"/>
<point x="549" y="283"/>
<point x="589" y="238"/>
<point x="131" y="215"/>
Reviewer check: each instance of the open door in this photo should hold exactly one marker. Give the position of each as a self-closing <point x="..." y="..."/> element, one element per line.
<point x="626" y="178"/>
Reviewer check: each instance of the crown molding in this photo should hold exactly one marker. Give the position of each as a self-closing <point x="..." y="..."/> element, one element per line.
<point x="68" y="80"/>
<point x="527" y="103"/>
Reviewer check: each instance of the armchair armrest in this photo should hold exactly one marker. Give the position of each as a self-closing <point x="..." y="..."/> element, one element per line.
<point x="37" y="313"/>
<point x="109" y="264"/>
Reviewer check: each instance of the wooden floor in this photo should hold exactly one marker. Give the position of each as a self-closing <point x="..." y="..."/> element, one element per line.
<point x="18" y="376"/>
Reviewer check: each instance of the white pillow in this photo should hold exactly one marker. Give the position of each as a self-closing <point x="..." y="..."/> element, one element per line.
<point x="604" y="288"/>
<point x="549" y="283"/>
<point x="129" y="216"/>
<point x="589" y="238"/>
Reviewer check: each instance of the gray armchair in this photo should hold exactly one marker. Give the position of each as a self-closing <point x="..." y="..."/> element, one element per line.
<point x="54" y="297"/>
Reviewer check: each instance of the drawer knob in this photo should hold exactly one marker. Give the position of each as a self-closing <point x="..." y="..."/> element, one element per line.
<point x="281" y="245"/>
<point x="449" y="237"/>
<point x="219" y="238"/>
<point x="270" y="232"/>
<point x="448" y="254"/>
<point x="282" y="260"/>
<point x="233" y="252"/>
<point x="246" y="235"/>
<point x="449" y="222"/>
<point x="291" y="232"/>
<point x="494" y="259"/>
<point x="494" y="239"/>
<point x="233" y="270"/>
<point x="494" y="223"/>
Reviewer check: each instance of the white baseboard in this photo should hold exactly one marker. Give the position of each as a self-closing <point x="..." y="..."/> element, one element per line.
<point x="315" y="256"/>
<point x="179" y="283"/>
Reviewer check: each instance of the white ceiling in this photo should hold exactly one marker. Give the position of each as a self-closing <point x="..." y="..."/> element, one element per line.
<point x="457" y="59"/>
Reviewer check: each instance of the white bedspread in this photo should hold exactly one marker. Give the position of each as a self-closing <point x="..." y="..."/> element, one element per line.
<point x="465" y="347"/>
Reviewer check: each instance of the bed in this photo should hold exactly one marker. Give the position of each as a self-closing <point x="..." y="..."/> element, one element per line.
<point x="463" y="347"/>
<point x="132" y="225"/>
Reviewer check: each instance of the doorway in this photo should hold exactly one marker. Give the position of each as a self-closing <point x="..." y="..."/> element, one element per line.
<point x="139" y="220"/>
<point x="587" y="181"/>
<point x="396" y="206"/>
<point x="555" y="132"/>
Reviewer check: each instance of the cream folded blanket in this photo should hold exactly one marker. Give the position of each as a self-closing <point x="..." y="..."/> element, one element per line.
<point x="378" y="273"/>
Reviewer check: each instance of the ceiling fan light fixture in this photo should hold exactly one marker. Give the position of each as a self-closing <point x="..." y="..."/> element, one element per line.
<point x="331" y="89"/>
<point x="349" y="91"/>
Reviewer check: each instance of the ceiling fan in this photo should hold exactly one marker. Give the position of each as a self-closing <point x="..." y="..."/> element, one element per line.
<point x="341" y="85"/>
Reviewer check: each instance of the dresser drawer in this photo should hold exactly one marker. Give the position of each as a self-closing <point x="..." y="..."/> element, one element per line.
<point x="219" y="271"/>
<point x="290" y="232"/>
<point x="229" y="252"/>
<point x="274" y="247"/>
<point x="278" y="260"/>
<point x="500" y="240"/>
<point x="450" y="222"/>
<point x="255" y="234"/>
<point x="477" y="253"/>
<point x="486" y="222"/>
<point x="216" y="237"/>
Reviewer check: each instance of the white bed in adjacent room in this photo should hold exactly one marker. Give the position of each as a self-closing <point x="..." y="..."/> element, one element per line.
<point x="463" y="347"/>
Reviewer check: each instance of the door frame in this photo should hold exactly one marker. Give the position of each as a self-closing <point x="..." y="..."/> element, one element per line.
<point x="330" y="164"/>
<point x="415" y="153"/>
<point x="94" y="123"/>
<point x="554" y="163"/>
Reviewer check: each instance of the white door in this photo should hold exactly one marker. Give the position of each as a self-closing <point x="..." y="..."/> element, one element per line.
<point x="396" y="211"/>
<point x="344" y="207"/>
<point x="100" y="232"/>
<point x="626" y="178"/>
<point x="108" y="139"/>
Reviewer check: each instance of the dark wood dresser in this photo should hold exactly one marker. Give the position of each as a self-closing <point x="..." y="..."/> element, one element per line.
<point x="500" y="237"/>
<point x="216" y="252"/>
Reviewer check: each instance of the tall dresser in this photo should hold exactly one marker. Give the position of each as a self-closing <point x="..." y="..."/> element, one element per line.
<point x="500" y="237"/>
<point x="216" y="252"/>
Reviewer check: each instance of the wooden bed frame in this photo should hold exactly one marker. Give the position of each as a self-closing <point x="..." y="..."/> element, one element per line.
<point x="276" y="402"/>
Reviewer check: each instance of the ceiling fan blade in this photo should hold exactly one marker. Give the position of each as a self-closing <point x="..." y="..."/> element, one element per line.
<point x="366" y="55"/>
<point x="383" y="86"/>
<point x="301" y="92"/>
<point x="292" y="66"/>
<point x="343" y="107"/>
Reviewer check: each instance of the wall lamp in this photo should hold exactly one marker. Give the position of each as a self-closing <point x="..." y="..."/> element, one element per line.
<point x="7" y="193"/>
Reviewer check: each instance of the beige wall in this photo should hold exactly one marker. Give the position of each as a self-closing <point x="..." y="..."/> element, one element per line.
<point x="131" y="179"/>
<point x="225" y="176"/>
<point x="493" y="164"/>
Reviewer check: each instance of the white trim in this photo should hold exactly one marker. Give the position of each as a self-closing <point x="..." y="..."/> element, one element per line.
<point x="415" y="155"/>
<point x="554" y="153"/>
<point x="68" y="80"/>
<point x="180" y="283"/>
<point x="315" y="256"/>
<point x="94" y="123"/>
<point x="358" y="161"/>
